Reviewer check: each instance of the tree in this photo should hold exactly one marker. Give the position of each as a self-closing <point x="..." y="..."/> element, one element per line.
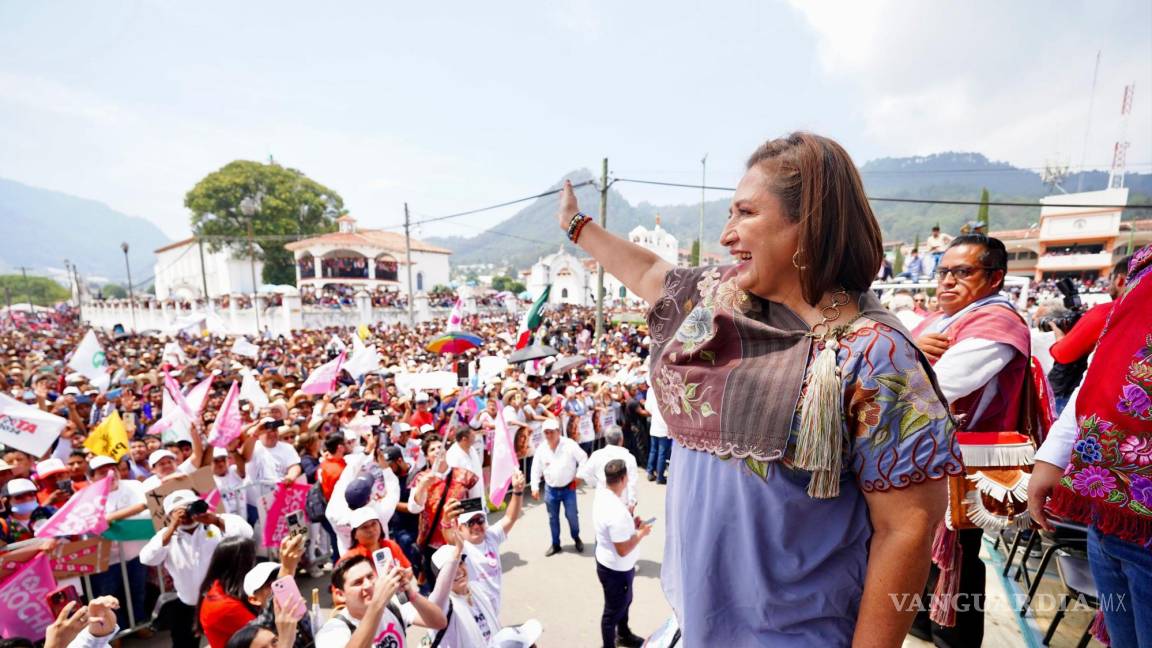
<point x="982" y="214"/>
<point x="898" y="261"/>
<point x="285" y="203"/>
<point x="505" y="283"/>
<point x="41" y="290"/>
<point x="114" y="291"/>
<point x="694" y="257"/>
<point x="916" y="243"/>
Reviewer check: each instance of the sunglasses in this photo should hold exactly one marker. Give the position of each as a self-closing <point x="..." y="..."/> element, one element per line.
<point x="960" y="272"/>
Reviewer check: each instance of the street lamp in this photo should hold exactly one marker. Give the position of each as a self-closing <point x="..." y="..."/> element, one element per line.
<point x="249" y="206"/>
<point x="131" y="298"/>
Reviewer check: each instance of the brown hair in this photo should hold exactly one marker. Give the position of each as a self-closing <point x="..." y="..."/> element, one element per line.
<point x="817" y="183"/>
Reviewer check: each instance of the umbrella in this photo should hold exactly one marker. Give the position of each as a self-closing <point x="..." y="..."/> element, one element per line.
<point x="454" y="342"/>
<point x="532" y="352"/>
<point x="596" y="379"/>
<point x="566" y="364"/>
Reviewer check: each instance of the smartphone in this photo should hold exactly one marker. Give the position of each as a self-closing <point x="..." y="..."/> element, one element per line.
<point x="64" y="485"/>
<point x="384" y="562"/>
<point x="470" y="505"/>
<point x="649" y="521"/>
<point x="287" y="594"/>
<point x="59" y="598"/>
<point x="296" y="523"/>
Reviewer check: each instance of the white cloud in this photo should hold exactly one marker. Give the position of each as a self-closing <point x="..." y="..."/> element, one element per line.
<point x="1009" y="81"/>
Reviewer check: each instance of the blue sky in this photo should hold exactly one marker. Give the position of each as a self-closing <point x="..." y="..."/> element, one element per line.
<point x="454" y="105"/>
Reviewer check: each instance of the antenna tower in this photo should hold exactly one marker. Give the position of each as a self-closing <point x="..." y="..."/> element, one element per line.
<point x="1120" y="151"/>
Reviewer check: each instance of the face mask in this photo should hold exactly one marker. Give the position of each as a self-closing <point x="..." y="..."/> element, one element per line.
<point x="24" y="508"/>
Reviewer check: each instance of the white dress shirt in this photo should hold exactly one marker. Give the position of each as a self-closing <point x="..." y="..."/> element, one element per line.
<point x="592" y="472"/>
<point x="1057" y="446"/>
<point x="559" y="466"/>
<point x="969" y="365"/>
<point x="187" y="555"/>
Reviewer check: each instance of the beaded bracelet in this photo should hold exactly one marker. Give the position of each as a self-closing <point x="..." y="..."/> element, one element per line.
<point x="580" y="228"/>
<point x="574" y="225"/>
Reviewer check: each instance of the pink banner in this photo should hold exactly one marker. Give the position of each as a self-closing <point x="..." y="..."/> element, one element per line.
<point x="504" y="462"/>
<point x="228" y="422"/>
<point x="24" y="610"/>
<point x="84" y="513"/>
<point x="287" y="499"/>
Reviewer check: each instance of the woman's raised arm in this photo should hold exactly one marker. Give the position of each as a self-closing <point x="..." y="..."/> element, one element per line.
<point x="640" y="270"/>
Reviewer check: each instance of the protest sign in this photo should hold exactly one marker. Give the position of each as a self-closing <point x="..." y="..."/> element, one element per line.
<point x="199" y="482"/>
<point x="285" y="500"/>
<point x="27" y="428"/>
<point x="406" y="383"/>
<point x="24" y="610"/>
<point x="68" y="559"/>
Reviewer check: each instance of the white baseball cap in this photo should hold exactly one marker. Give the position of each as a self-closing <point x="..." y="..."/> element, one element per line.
<point x="426" y="428"/>
<point x="524" y="635"/>
<point x="258" y="576"/>
<point x="421" y="397"/>
<point x="362" y="516"/>
<point x="50" y="467"/>
<point x="99" y="462"/>
<point x="71" y="390"/>
<point x="157" y="455"/>
<point x="218" y="453"/>
<point x="443" y="555"/>
<point x="400" y="427"/>
<point x="20" y="487"/>
<point x="550" y="424"/>
<point x="178" y="498"/>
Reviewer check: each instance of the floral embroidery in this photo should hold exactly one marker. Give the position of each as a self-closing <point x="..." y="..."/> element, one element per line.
<point x="1142" y="491"/>
<point x="864" y="408"/>
<point x="731" y="297"/>
<point x="1094" y="481"/>
<point x="1136" y="451"/>
<point x="682" y="397"/>
<point x="706" y="286"/>
<point x="1089" y="449"/>
<point x="1136" y="395"/>
<point x="914" y="405"/>
<point x="1134" y="401"/>
<point x="696" y="329"/>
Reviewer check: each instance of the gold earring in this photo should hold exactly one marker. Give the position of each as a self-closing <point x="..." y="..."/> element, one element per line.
<point x="796" y="260"/>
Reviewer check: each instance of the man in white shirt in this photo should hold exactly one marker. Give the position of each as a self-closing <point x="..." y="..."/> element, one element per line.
<point x="592" y="472"/>
<point x="184" y="547"/>
<point x="558" y="460"/>
<point x="463" y="454"/>
<point x="617" y="535"/>
<point x="367" y="480"/>
<point x="163" y="465"/>
<point x="482" y="545"/>
<point x="231" y="486"/>
<point x="372" y="616"/>
<point x="659" y="443"/>
<point x="126" y="501"/>
<point x="267" y="459"/>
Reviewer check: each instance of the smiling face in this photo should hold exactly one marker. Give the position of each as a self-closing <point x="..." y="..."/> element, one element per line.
<point x="760" y="237"/>
<point x="954" y="293"/>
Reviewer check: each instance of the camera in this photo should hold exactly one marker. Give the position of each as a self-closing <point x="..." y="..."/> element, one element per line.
<point x="1072" y="302"/>
<point x="270" y="425"/>
<point x="199" y="507"/>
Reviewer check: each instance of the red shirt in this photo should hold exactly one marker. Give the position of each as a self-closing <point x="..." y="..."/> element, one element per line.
<point x="391" y="546"/>
<point x="1080" y="341"/>
<point x="221" y="616"/>
<point x="330" y="470"/>
<point x="418" y="419"/>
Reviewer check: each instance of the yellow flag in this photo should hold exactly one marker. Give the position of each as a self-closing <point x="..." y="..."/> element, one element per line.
<point x="363" y="332"/>
<point x="109" y="439"/>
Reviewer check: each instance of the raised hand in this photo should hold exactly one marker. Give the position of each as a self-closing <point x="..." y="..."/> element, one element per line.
<point x="102" y="615"/>
<point x="568" y="205"/>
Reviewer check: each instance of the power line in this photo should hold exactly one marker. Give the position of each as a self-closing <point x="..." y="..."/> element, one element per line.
<point x="499" y="205"/>
<point x="925" y="201"/>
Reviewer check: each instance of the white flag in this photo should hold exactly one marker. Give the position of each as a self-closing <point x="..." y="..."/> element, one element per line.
<point x="174" y="354"/>
<point x="245" y="348"/>
<point x="88" y="361"/>
<point x="364" y="358"/>
<point x="251" y="391"/>
<point x="28" y="428"/>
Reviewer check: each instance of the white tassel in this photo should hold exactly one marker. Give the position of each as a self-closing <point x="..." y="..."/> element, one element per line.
<point x="990" y="521"/>
<point x="998" y="455"/>
<point x="819" y="442"/>
<point x="1017" y="492"/>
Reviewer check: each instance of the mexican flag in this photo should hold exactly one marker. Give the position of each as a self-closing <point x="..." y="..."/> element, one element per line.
<point x="532" y="319"/>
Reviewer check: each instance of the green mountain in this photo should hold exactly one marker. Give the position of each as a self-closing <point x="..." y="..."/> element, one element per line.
<point x="42" y="228"/>
<point x="533" y="231"/>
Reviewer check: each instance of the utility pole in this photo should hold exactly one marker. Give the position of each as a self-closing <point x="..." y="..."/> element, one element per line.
<point x="252" y="268"/>
<point x="408" y="260"/>
<point x="27" y="287"/>
<point x="131" y="295"/>
<point x="700" y="236"/>
<point x="204" y="275"/>
<point x="600" y="267"/>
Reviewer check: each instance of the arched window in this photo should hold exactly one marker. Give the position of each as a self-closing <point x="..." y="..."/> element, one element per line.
<point x="564" y="293"/>
<point x="419" y="281"/>
<point x="386" y="268"/>
<point x="307" y="267"/>
<point x="623" y="292"/>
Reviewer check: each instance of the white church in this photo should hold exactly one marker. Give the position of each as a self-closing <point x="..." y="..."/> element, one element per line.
<point x="574" y="279"/>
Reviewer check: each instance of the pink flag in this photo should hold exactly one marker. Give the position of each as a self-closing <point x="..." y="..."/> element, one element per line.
<point x="213" y="499"/>
<point x="228" y="424"/>
<point x="198" y="395"/>
<point x="83" y="513"/>
<point x="323" y="378"/>
<point x="24" y="610"/>
<point x="173" y="389"/>
<point x="456" y="318"/>
<point x="504" y="462"/>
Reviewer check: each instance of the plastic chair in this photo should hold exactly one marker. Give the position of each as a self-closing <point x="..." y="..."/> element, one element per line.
<point x="1079" y="585"/>
<point x="1067" y="535"/>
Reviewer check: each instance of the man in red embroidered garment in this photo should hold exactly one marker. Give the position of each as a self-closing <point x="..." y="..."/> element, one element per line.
<point x="979" y="347"/>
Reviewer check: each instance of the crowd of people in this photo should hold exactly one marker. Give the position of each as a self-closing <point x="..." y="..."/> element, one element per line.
<point x="865" y="420"/>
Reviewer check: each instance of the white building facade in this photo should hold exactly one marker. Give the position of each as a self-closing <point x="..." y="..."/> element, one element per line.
<point x="368" y="258"/>
<point x="184" y="268"/>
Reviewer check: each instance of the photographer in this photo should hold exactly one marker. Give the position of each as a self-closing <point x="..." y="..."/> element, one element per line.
<point x="184" y="547"/>
<point x="1075" y="343"/>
